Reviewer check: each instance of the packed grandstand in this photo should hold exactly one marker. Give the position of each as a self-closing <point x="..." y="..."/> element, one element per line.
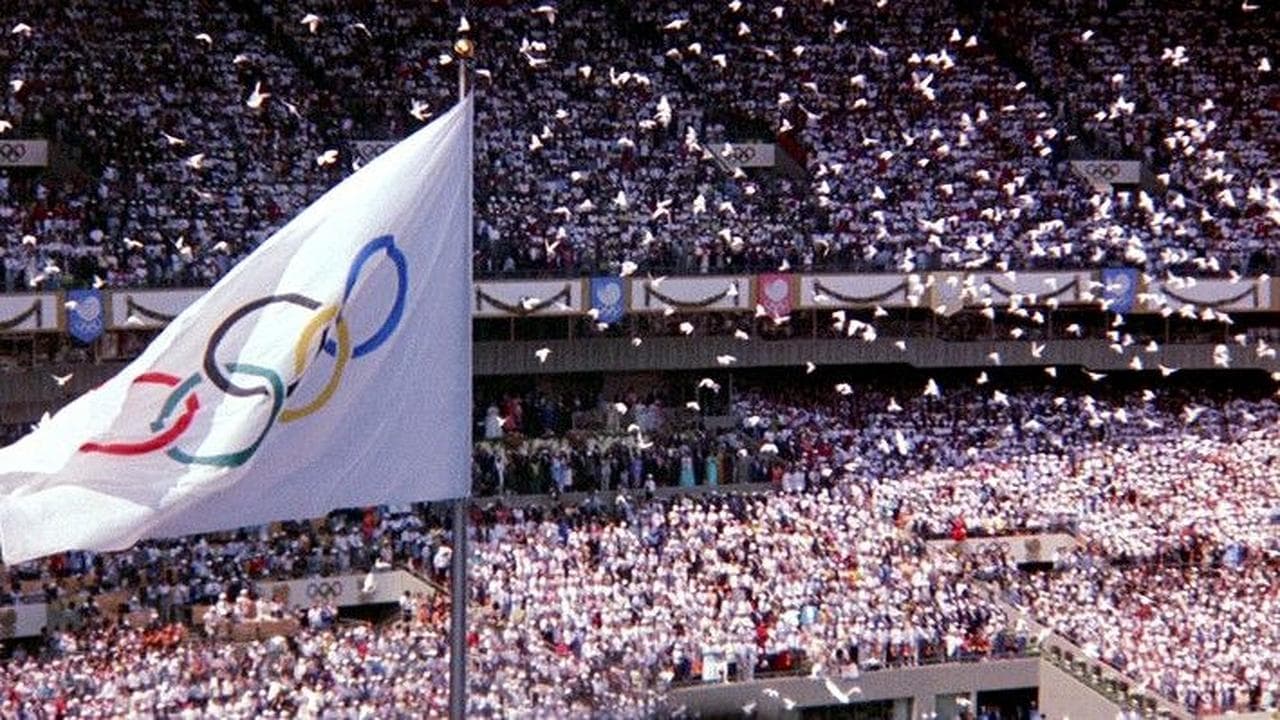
<point x="625" y="535"/>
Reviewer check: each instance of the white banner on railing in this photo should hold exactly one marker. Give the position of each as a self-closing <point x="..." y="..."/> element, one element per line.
<point x="343" y="590"/>
<point x="953" y="291"/>
<point x="528" y="297"/>
<point x="1219" y="295"/>
<point x="24" y="153"/>
<point x="834" y="291"/>
<point x="132" y="309"/>
<point x="1103" y="174"/>
<point x="23" y="620"/>
<point x="691" y="294"/>
<point x="28" y="312"/>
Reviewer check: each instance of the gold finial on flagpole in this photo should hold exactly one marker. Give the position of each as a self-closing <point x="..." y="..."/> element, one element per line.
<point x="464" y="50"/>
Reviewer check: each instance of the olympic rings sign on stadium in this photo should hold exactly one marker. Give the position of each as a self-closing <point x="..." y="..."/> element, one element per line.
<point x="24" y="153"/>
<point x="1103" y="170"/>
<point x="224" y="377"/>
<point x="12" y="151"/>
<point x="324" y="590"/>
<point x="748" y="154"/>
<point x="743" y="153"/>
<point x="1108" y="171"/>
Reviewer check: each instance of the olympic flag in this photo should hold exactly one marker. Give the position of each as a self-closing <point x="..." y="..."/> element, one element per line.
<point x="331" y="368"/>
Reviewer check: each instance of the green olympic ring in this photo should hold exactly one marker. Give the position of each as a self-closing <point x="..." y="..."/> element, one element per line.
<point x="240" y="457"/>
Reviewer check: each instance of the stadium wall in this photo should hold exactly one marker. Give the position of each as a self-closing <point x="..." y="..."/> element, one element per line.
<point x="1123" y="290"/>
<point x="1064" y="696"/>
<point x="1061" y="695"/>
<point x="923" y="685"/>
<point x="28" y="393"/>
<point x="608" y="355"/>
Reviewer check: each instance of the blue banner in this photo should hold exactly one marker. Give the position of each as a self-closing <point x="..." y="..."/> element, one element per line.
<point x="607" y="297"/>
<point x="85" y="317"/>
<point x="1120" y="286"/>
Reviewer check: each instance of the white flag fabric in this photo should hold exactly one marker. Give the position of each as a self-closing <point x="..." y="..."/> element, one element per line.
<point x="330" y="368"/>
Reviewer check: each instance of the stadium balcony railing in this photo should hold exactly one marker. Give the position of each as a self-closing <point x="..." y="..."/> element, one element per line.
<point x="1006" y="646"/>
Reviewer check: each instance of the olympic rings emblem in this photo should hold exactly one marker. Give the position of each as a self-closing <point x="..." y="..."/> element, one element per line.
<point x="222" y="376"/>
<point x="1118" y="284"/>
<point x="12" y="151"/>
<point x="324" y="590"/>
<point x="1102" y="170"/>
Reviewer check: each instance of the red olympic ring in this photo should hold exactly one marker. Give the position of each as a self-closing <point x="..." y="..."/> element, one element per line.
<point x="154" y="443"/>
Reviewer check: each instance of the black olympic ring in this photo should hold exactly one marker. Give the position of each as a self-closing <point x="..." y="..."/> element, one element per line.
<point x="210" y="354"/>
<point x="744" y="153"/>
<point x="324" y="590"/>
<point x="13" y="151"/>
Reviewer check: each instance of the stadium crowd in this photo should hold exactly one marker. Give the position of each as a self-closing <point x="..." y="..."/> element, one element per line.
<point x="1134" y="469"/>
<point x="1197" y="631"/>
<point x="921" y="137"/>
<point x="647" y="591"/>
<point x="755" y="583"/>
<point x="174" y="186"/>
<point x="912" y="135"/>
<point x="350" y="671"/>
<point x="169" y="576"/>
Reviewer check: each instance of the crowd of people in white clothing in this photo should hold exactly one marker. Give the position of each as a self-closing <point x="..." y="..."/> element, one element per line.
<point x="910" y="135"/>
<point x="830" y="563"/>
<point x="624" y="543"/>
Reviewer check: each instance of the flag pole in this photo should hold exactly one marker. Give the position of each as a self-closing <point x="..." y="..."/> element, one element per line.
<point x="463" y="49"/>
<point x="458" y="614"/>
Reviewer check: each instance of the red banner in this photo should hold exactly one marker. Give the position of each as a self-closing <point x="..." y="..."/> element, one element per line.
<point x="776" y="292"/>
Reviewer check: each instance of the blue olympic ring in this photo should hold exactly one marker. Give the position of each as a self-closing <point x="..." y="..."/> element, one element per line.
<point x="385" y="243"/>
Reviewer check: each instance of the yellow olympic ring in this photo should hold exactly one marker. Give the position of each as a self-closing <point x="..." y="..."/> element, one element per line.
<point x="300" y="352"/>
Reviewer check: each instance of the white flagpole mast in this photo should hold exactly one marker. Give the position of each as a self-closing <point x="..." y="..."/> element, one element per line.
<point x="463" y="50"/>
